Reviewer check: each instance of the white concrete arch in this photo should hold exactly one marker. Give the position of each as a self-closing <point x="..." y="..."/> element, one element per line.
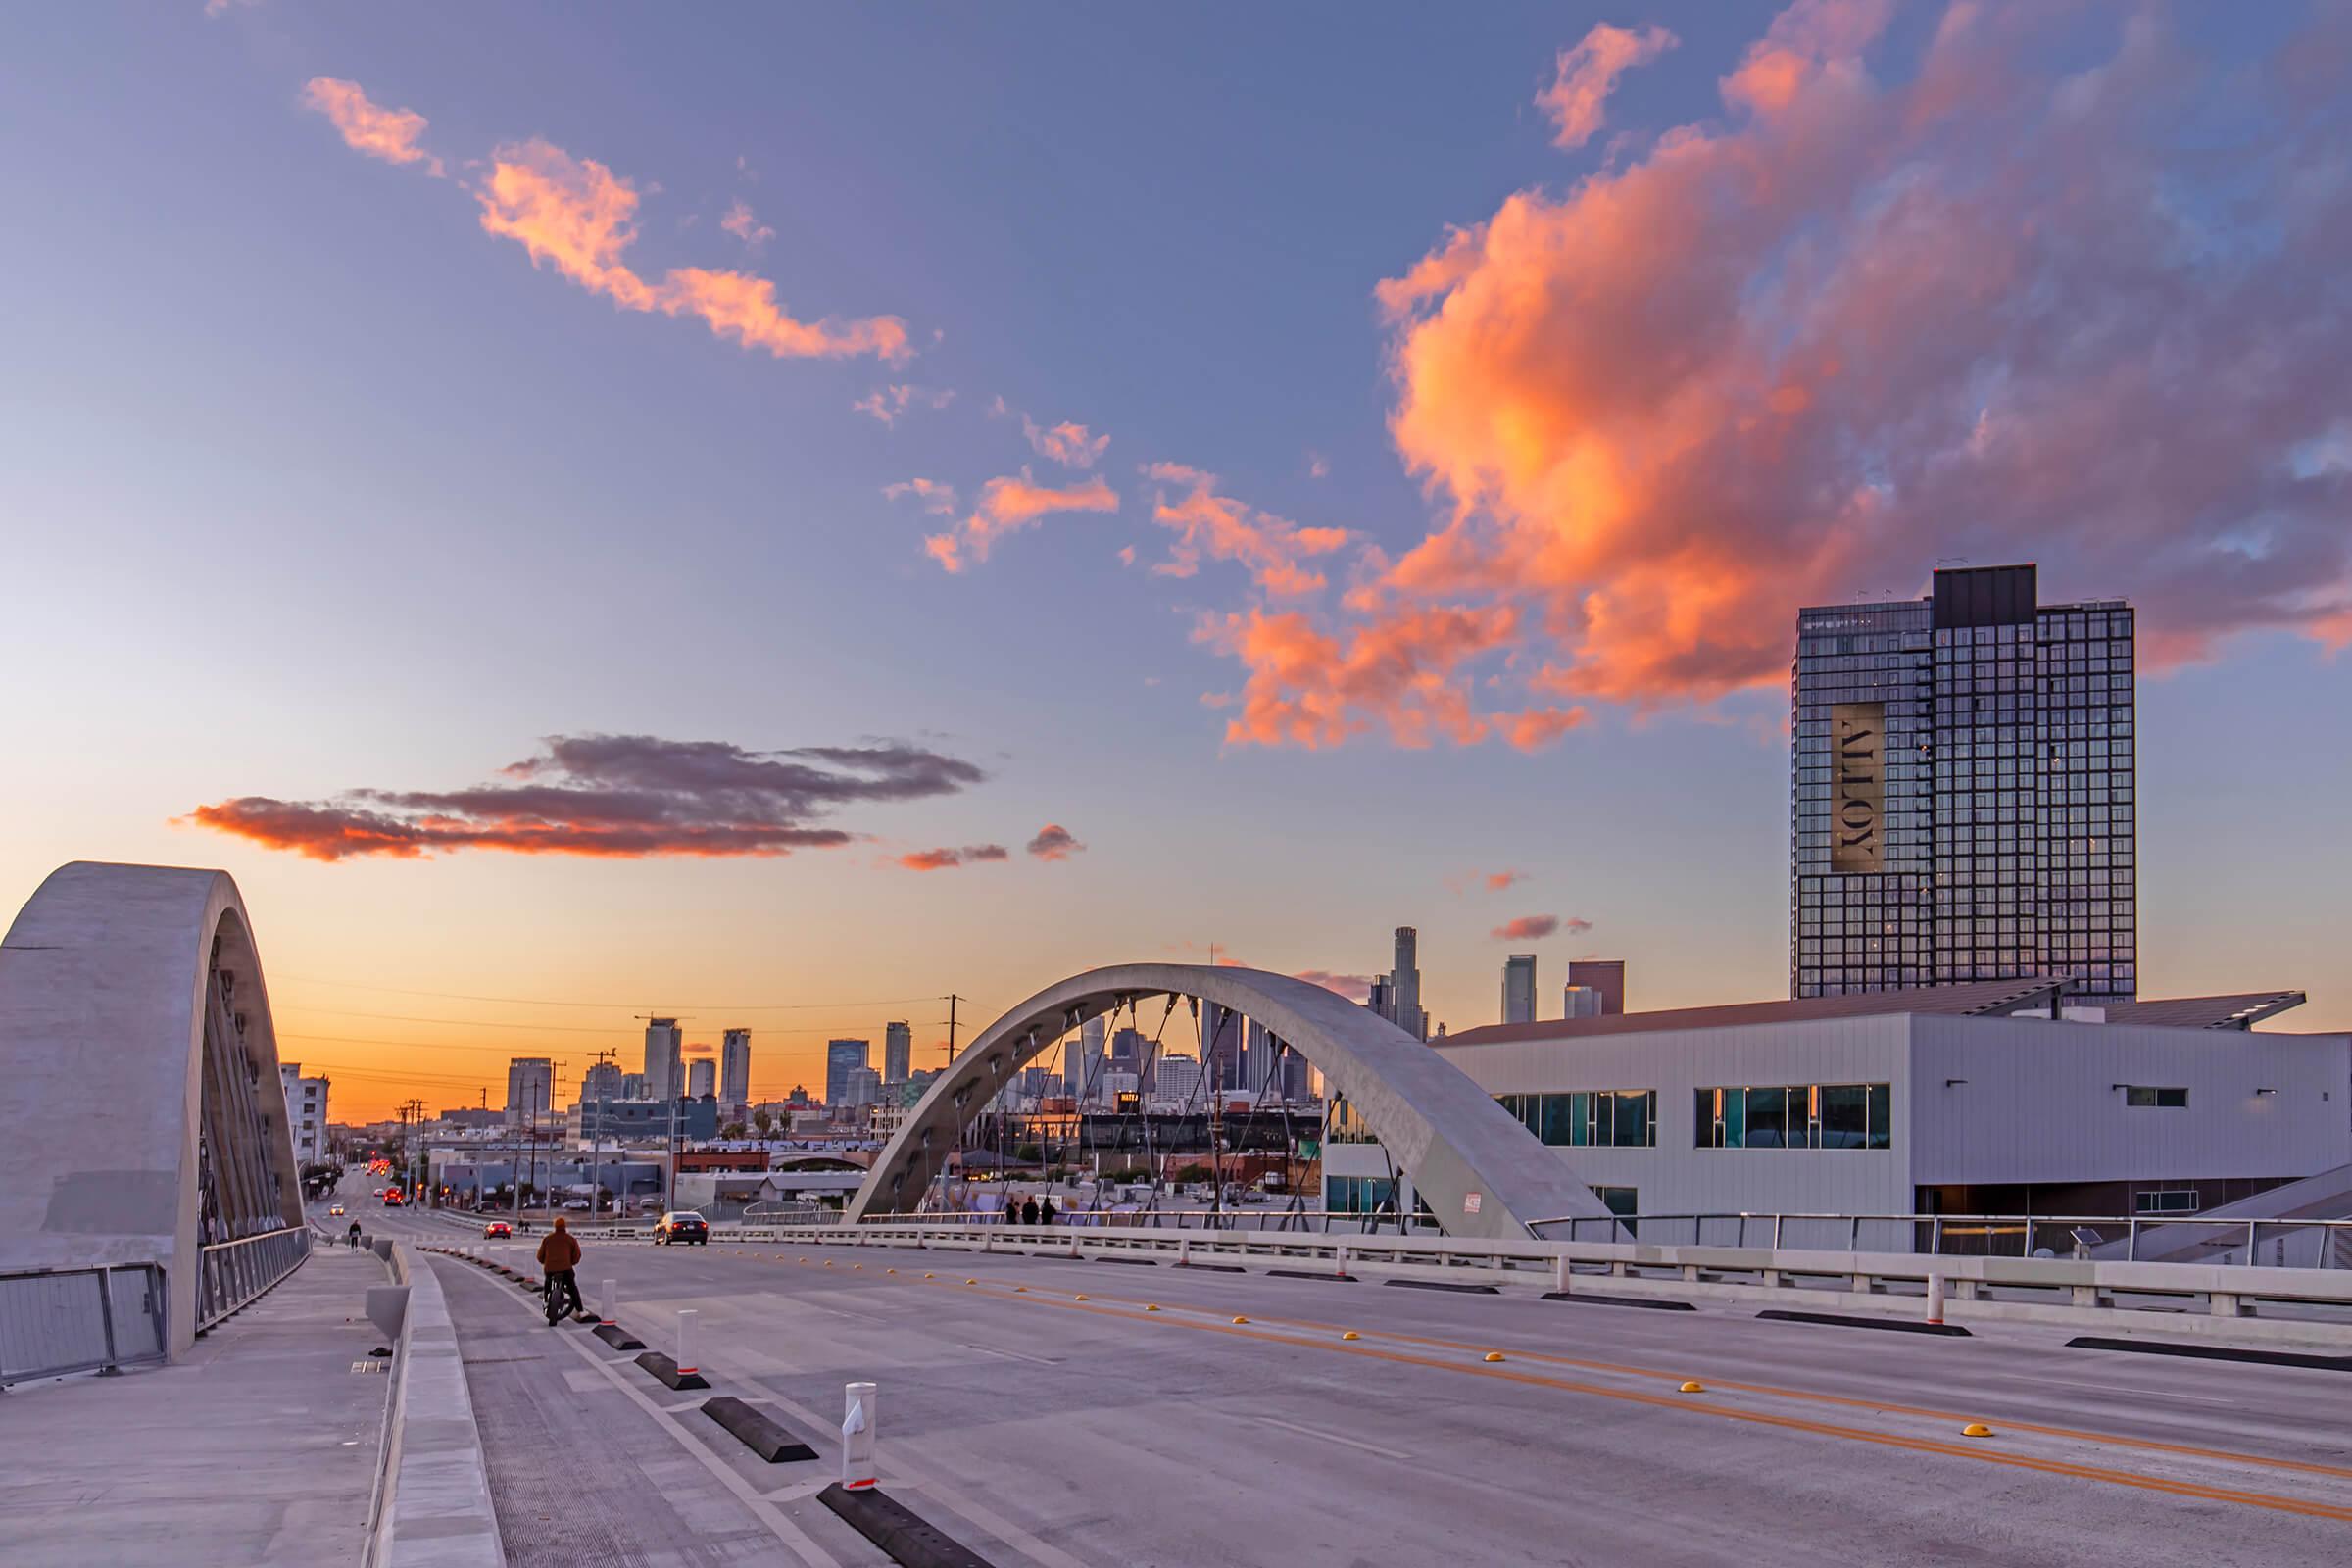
<point x="1444" y="1131"/>
<point x="136" y="1044"/>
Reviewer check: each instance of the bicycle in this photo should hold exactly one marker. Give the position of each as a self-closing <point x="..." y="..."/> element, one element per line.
<point x="561" y="1290"/>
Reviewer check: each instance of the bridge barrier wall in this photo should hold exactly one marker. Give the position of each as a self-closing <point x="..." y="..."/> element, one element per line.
<point x="2234" y="1302"/>
<point x="433" y="1507"/>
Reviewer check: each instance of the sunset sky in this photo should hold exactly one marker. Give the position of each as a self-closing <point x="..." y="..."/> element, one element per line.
<point x="776" y="514"/>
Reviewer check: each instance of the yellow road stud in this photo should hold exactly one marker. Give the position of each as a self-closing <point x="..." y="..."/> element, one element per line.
<point x="1080" y="1297"/>
<point x="1976" y="1429"/>
<point x="1493" y="1355"/>
<point x="1151" y="1307"/>
<point x="1693" y="1386"/>
<point x="1352" y="1335"/>
<point x="1240" y="1320"/>
<point x="971" y="1282"/>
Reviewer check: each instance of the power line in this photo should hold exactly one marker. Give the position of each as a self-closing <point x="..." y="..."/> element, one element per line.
<point x="549" y="1002"/>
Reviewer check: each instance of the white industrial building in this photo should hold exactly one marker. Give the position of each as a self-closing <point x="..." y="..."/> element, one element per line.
<point x="1942" y="1101"/>
<point x="306" y="1113"/>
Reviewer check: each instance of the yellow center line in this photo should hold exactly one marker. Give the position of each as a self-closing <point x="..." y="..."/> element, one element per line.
<point x="1844" y="1400"/>
<point x="2018" y="1461"/>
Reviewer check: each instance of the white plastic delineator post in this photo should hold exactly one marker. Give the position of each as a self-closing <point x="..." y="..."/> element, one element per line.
<point x="1559" y="1274"/>
<point x="1342" y="1269"/>
<point x="857" y="1420"/>
<point x="685" y="1341"/>
<point x="1184" y="1252"/>
<point x="605" y="1310"/>
<point x="1936" y="1298"/>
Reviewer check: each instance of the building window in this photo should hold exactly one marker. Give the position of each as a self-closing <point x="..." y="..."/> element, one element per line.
<point x="2175" y="1201"/>
<point x="1624" y="1201"/>
<point x="1359" y="1195"/>
<point x="1793" y="1117"/>
<point x="1598" y="1118"/>
<point x="2144" y="1096"/>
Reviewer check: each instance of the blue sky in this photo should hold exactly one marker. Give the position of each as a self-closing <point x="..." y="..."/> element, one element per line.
<point x="312" y="484"/>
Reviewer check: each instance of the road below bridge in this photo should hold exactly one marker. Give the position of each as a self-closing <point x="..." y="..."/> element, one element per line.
<point x="1060" y="1412"/>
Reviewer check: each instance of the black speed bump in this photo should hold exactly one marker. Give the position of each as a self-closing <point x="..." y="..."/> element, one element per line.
<point x="1847" y="1320"/>
<point x="886" y="1522"/>
<point x="1446" y="1284"/>
<point x="665" y="1369"/>
<point x="761" y="1432"/>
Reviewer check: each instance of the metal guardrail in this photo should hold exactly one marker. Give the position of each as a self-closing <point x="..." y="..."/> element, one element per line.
<point x="2028" y="1288"/>
<point x="2265" y="1243"/>
<point x="1307" y="1221"/>
<point x="56" y="1321"/>
<point x="234" y="1273"/>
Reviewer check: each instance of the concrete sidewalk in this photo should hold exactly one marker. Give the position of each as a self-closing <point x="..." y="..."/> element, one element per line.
<point x="259" y="1448"/>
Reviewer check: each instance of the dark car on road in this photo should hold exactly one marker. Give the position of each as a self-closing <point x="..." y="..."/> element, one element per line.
<point x="681" y="1225"/>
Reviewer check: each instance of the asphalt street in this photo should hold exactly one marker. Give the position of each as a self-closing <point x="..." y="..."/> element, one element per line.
<point x="1061" y="1413"/>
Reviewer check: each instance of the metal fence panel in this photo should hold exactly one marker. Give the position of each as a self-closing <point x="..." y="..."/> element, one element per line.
<point x="56" y="1322"/>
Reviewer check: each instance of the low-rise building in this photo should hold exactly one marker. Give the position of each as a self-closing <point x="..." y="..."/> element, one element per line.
<point x="1987" y="1098"/>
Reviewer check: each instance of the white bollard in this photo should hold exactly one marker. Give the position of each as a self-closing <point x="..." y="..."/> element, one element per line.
<point x="1343" y="1252"/>
<point x="605" y="1295"/>
<point x="1559" y="1275"/>
<point x="685" y="1338"/>
<point x="1184" y="1252"/>
<point x="857" y="1419"/>
<point x="1934" y="1298"/>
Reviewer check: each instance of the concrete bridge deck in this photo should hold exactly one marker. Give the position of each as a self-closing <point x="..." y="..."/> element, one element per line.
<point x="1040" y="1428"/>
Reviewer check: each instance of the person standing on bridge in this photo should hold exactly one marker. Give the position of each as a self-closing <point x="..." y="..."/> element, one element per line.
<point x="559" y="1257"/>
<point x="1044" y="1209"/>
<point x="1029" y="1211"/>
<point x="350" y="1238"/>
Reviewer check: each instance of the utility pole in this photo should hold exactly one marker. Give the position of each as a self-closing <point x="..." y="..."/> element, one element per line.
<point x="413" y="1157"/>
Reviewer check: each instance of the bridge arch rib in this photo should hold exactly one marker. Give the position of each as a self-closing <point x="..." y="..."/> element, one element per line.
<point x="1444" y="1131"/>
<point x="135" y="1025"/>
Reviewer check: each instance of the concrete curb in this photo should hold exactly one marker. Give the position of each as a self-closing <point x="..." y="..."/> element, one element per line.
<point x="435" y="1509"/>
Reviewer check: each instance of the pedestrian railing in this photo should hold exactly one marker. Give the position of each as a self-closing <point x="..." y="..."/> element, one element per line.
<point x="2313" y="1304"/>
<point x="56" y="1321"/>
<point x="2129" y="1239"/>
<point x="234" y="1273"/>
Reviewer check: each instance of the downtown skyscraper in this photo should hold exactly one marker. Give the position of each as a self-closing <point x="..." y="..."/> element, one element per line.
<point x="664" y="1059"/>
<point x="735" y="1067"/>
<point x="1962" y="802"/>
<point x="898" y="1053"/>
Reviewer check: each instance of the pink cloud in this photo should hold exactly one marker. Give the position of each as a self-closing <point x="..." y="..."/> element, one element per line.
<point x="1072" y="446"/>
<point x="1009" y="504"/>
<point x="887" y="402"/>
<point x="390" y="134"/>
<point x="1354" y="986"/>
<point x="1205" y="523"/>
<point x="1536" y="928"/>
<point x="945" y="859"/>
<point x="936" y="497"/>
<point x="1589" y="72"/>
<point x="579" y="215"/>
<point x="740" y="222"/>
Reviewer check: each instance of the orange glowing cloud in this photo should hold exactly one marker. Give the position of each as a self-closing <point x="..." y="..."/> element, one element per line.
<point x="1536" y="928"/>
<point x="1586" y="74"/>
<point x="1009" y="504"/>
<point x="579" y="215"/>
<point x="887" y="402"/>
<point x="945" y="859"/>
<point x="1795" y="354"/>
<point x="936" y="497"/>
<point x="1207" y="523"/>
<point x="740" y="222"/>
<point x="1072" y="446"/>
<point x="621" y="797"/>
<point x="390" y="134"/>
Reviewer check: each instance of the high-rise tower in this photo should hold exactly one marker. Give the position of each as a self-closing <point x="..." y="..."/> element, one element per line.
<point x="1962" y="802"/>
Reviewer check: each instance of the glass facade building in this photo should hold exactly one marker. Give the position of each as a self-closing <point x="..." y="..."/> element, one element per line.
<point x="1961" y="791"/>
